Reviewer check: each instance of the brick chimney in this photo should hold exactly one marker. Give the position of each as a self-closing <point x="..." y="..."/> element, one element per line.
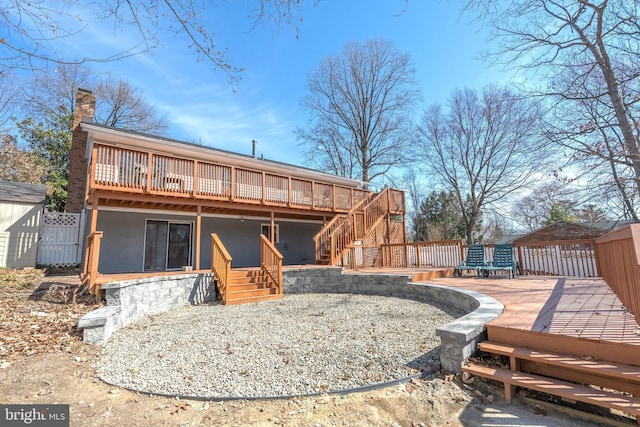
<point x="78" y="162"/>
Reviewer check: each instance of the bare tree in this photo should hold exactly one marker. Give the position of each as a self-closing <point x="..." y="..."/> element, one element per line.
<point x="34" y="33"/>
<point x="19" y="165"/>
<point x="360" y="103"/>
<point x="118" y="104"/>
<point x="533" y="210"/>
<point x="50" y="98"/>
<point x="586" y="55"/>
<point x="585" y="123"/>
<point x="483" y="147"/>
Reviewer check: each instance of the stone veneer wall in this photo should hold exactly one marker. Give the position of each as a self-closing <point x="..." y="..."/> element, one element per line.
<point x="129" y="301"/>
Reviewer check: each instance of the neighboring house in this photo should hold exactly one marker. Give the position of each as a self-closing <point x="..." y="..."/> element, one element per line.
<point x="158" y="200"/>
<point x="21" y="208"/>
<point x="565" y="230"/>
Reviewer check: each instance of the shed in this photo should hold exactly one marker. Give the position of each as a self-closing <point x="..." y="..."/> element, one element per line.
<point x="21" y="208"/>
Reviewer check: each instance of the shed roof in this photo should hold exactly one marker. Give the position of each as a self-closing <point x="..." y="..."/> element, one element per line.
<point x="565" y="230"/>
<point x="22" y="193"/>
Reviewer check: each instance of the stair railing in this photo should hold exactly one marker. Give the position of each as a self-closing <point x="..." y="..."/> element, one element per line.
<point x="354" y="226"/>
<point x="323" y="239"/>
<point x="271" y="263"/>
<point x="220" y="265"/>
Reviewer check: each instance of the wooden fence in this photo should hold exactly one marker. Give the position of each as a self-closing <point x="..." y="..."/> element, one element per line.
<point x="619" y="256"/>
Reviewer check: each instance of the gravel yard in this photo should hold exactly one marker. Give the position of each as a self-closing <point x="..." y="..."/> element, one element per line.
<point x="301" y="344"/>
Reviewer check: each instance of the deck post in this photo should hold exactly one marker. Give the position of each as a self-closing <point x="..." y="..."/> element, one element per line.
<point x="94" y="214"/>
<point x="273" y="228"/>
<point x="196" y="176"/>
<point x="150" y="173"/>
<point x="198" y="230"/>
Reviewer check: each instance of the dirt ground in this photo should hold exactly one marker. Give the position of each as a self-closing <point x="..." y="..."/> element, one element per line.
<point x="44" y="361"/>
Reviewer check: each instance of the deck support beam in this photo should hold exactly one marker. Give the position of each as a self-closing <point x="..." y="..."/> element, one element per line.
<point x="273" y="228"/>
<point x="198" y="231"/>
<point x="95" y="201"/>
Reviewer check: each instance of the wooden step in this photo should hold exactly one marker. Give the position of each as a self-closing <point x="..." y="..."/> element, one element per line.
<point x="243" y="293"/>
<point x="253" y="299"/>
<point x="572" y="368"/>
<point x="564" y="389"/>
<point x="246" y="286"/>
<point x="245" y="279"/>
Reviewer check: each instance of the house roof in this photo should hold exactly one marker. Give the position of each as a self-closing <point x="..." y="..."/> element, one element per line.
<point x="565" y="230"/>
<point x="22" y="193"/>
<point x="154" y="143"/>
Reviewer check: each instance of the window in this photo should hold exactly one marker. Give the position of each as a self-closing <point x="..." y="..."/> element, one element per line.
<point x="266" y="230"/>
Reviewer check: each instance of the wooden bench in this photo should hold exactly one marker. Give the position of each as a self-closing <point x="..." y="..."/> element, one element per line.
<point x="557" y="374"/>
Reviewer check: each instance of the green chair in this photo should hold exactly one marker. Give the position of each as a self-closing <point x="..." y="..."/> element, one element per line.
<point x="475" y="260"/>
<point x="503" y="260"/>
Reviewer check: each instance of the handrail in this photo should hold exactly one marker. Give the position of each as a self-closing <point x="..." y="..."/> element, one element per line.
<point x="346" y="229"/>
<point x="331" y="225"/>
<point x="91" y="259"/>
<point x="271" y="263"/>
<point x="220" y="265"/>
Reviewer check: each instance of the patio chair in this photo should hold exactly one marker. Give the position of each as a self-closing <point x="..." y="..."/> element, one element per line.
<point x="503" y="260"/>
<point x="475" y="260"/>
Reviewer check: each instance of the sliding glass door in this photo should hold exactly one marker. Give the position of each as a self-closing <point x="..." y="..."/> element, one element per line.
<point x="167" y="245"/>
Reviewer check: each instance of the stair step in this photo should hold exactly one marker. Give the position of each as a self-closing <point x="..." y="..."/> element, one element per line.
<point x="247" y="286"/>
<point x="612" y="375"/>
<point x="243" y="279"/>
<point x="252" y="299"/>
<point x="564" y="389"/>
<point x="628" y="373"/>
<point x="241" y="293"/>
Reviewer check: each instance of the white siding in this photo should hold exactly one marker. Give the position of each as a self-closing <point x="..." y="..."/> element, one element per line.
<point x="21" y="224"/>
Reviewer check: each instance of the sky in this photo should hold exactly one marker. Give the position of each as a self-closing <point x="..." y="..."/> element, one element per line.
<point x="201" y="106"/>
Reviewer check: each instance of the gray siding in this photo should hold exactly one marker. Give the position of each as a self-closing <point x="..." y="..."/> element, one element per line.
<point x="122" y="249"/>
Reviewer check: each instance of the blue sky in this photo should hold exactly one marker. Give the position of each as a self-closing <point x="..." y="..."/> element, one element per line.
<point x="201" y="106"/>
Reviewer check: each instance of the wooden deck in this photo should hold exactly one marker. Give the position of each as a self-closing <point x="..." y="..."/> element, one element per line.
<point x="569" y="315"/>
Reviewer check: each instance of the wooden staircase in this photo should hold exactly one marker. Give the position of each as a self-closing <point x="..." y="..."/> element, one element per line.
<point x="343" y="231"/>
<point x="249" y="285"/>
<point x="597" y="382"/>
<point x="244" y="285"/>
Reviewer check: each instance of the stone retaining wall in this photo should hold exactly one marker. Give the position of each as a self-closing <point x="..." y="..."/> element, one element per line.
<point x="132" y="300"/>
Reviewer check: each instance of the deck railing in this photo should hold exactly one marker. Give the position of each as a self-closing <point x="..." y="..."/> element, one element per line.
<point x="271" y="263"/>
<point x="619" y="261"/>
<point x="91" y="259"/>
<point x="573" y="258"/>
<point x="119" y="169"/>
<point x="337" y="236"/>
<point x="220" y="265"/>
<point x="444" y="253"/>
